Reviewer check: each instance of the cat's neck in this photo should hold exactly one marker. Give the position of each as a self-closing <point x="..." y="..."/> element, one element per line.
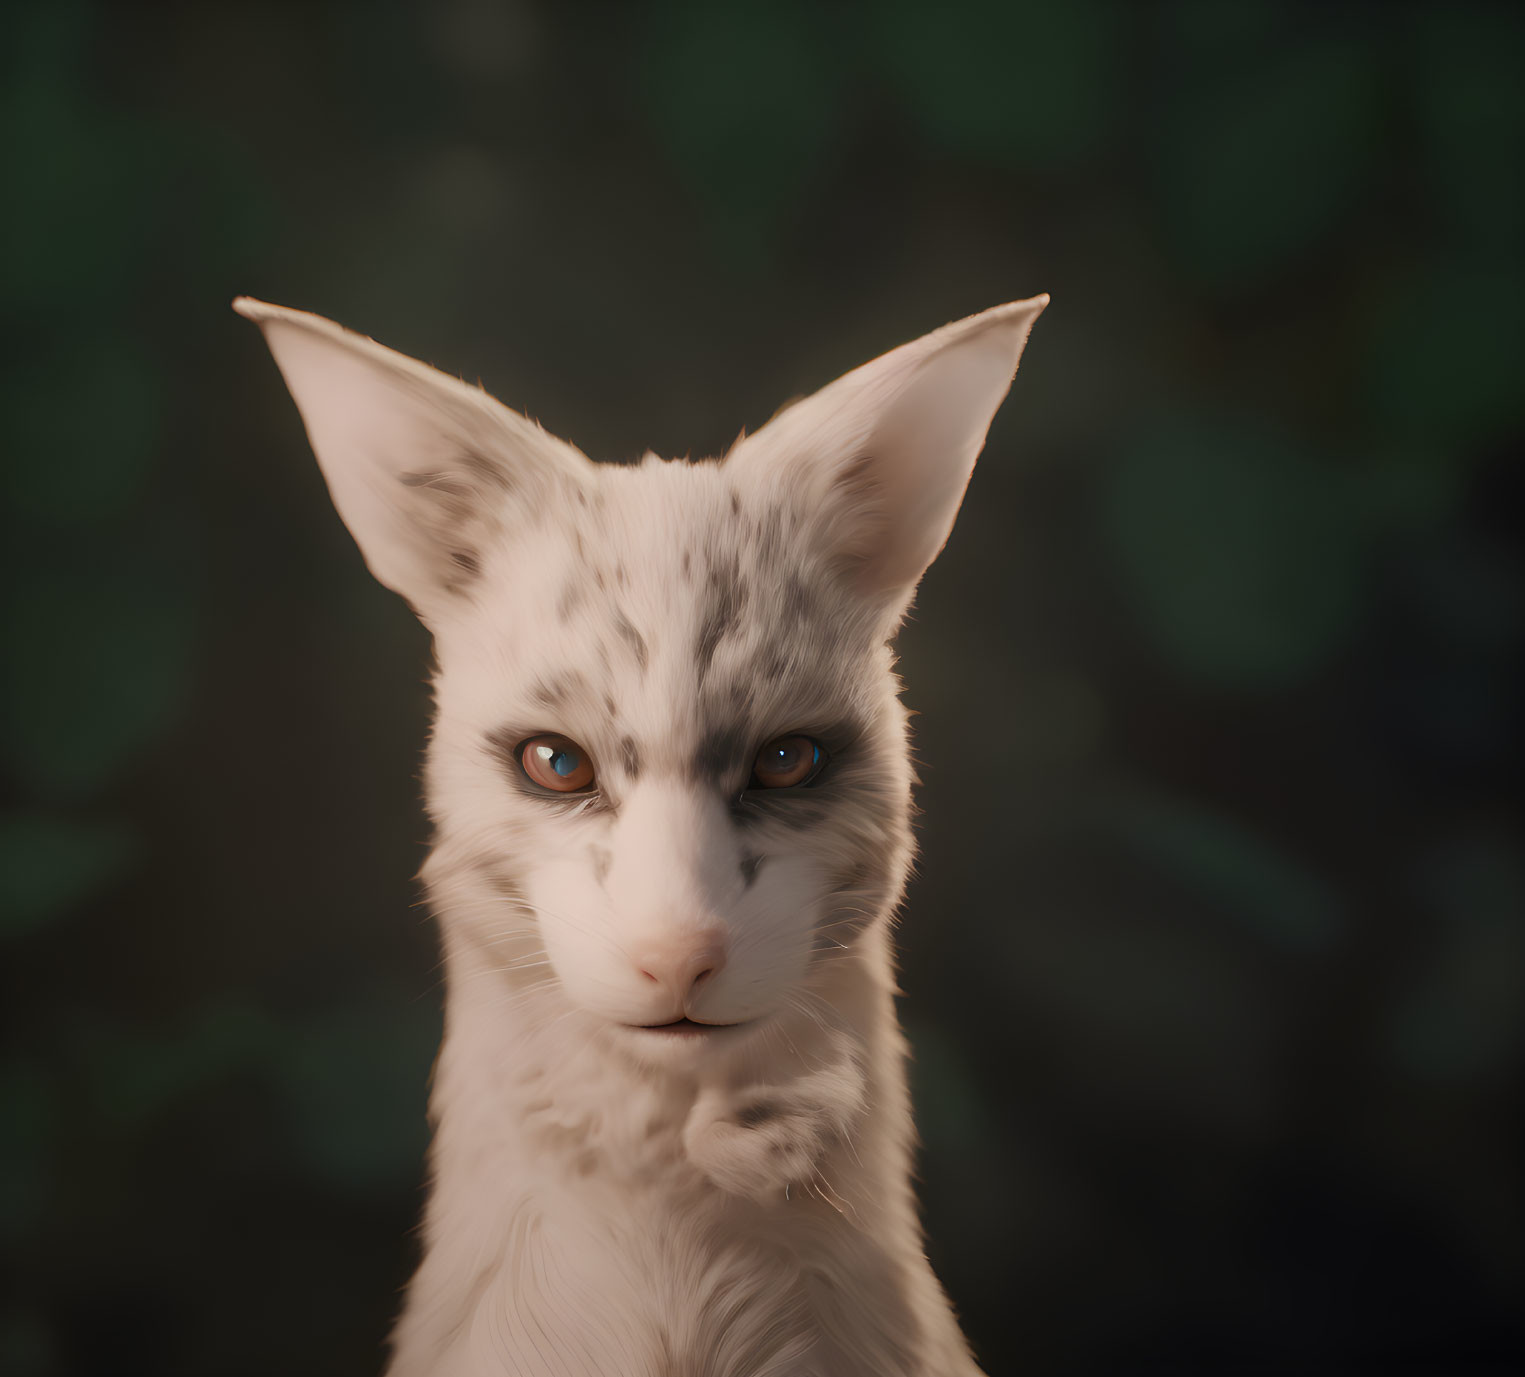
<point x="533" y="1092"/>
<point x="553" y="1158"/>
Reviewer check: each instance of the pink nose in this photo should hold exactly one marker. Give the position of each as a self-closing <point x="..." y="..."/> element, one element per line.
<point x="680" y="966"/>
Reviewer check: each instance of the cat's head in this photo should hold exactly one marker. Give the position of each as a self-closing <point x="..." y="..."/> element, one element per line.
<point x="669" y="769"/>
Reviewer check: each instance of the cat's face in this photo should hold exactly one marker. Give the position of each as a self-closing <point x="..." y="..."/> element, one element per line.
<point x="669" y="768"/>
<point x="733" y="802"/>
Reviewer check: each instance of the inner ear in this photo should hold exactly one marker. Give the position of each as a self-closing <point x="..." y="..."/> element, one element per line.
<point x="457" y="510"/>
<point x="919" y="457"/>
<point x="425" y="470"/>
<point x="879" y="460"/>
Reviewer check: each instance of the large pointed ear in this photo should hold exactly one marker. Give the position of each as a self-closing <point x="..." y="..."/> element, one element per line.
<point x="422" y="467"/>
<point x="881" y="457"/>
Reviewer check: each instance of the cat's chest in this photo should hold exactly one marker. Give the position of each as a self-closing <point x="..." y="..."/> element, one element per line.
<point x="674" y="1290"/>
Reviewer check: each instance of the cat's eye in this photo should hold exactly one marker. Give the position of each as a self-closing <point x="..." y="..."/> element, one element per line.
<point x="787" y="762"/>
<point x="556" y="763"/>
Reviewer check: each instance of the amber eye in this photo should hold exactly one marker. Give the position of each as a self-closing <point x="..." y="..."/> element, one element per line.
<point x="553" y="762"/>
<point x="786" y="761"/>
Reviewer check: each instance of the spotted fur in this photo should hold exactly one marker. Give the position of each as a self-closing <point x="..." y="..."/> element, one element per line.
<point x="608" y="1199"/>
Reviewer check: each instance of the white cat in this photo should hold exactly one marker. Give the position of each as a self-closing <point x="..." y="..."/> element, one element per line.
<point x="671" y="788"/>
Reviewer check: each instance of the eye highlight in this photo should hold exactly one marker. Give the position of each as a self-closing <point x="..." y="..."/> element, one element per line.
<point x="787" y="762"/>
<point x="556" y="763"/>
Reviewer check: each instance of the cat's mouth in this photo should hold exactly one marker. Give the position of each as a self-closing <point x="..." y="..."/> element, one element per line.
<point x="682" y="1027"/>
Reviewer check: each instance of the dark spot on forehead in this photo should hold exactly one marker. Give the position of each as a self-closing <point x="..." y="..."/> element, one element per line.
<point x="466" y="561"/>
<point x="555" y="692"/>
<point x="801" y="602"/>
<point x="741" y="698"/>
<point x="769" y="536"/>
<point x="630" y="756"/>
<point x="735" y="505"/>
<point x="632" y="638"/>
<point x="750" y="865"/>
<point x="773" y="663"/>
<point x="725" y="597"/>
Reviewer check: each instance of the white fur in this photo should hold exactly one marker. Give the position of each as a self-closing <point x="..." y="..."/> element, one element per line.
<point x="608" y="1199"/>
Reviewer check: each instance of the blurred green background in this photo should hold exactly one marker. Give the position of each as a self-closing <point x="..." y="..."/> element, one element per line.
<point x="1213" y="962"/>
